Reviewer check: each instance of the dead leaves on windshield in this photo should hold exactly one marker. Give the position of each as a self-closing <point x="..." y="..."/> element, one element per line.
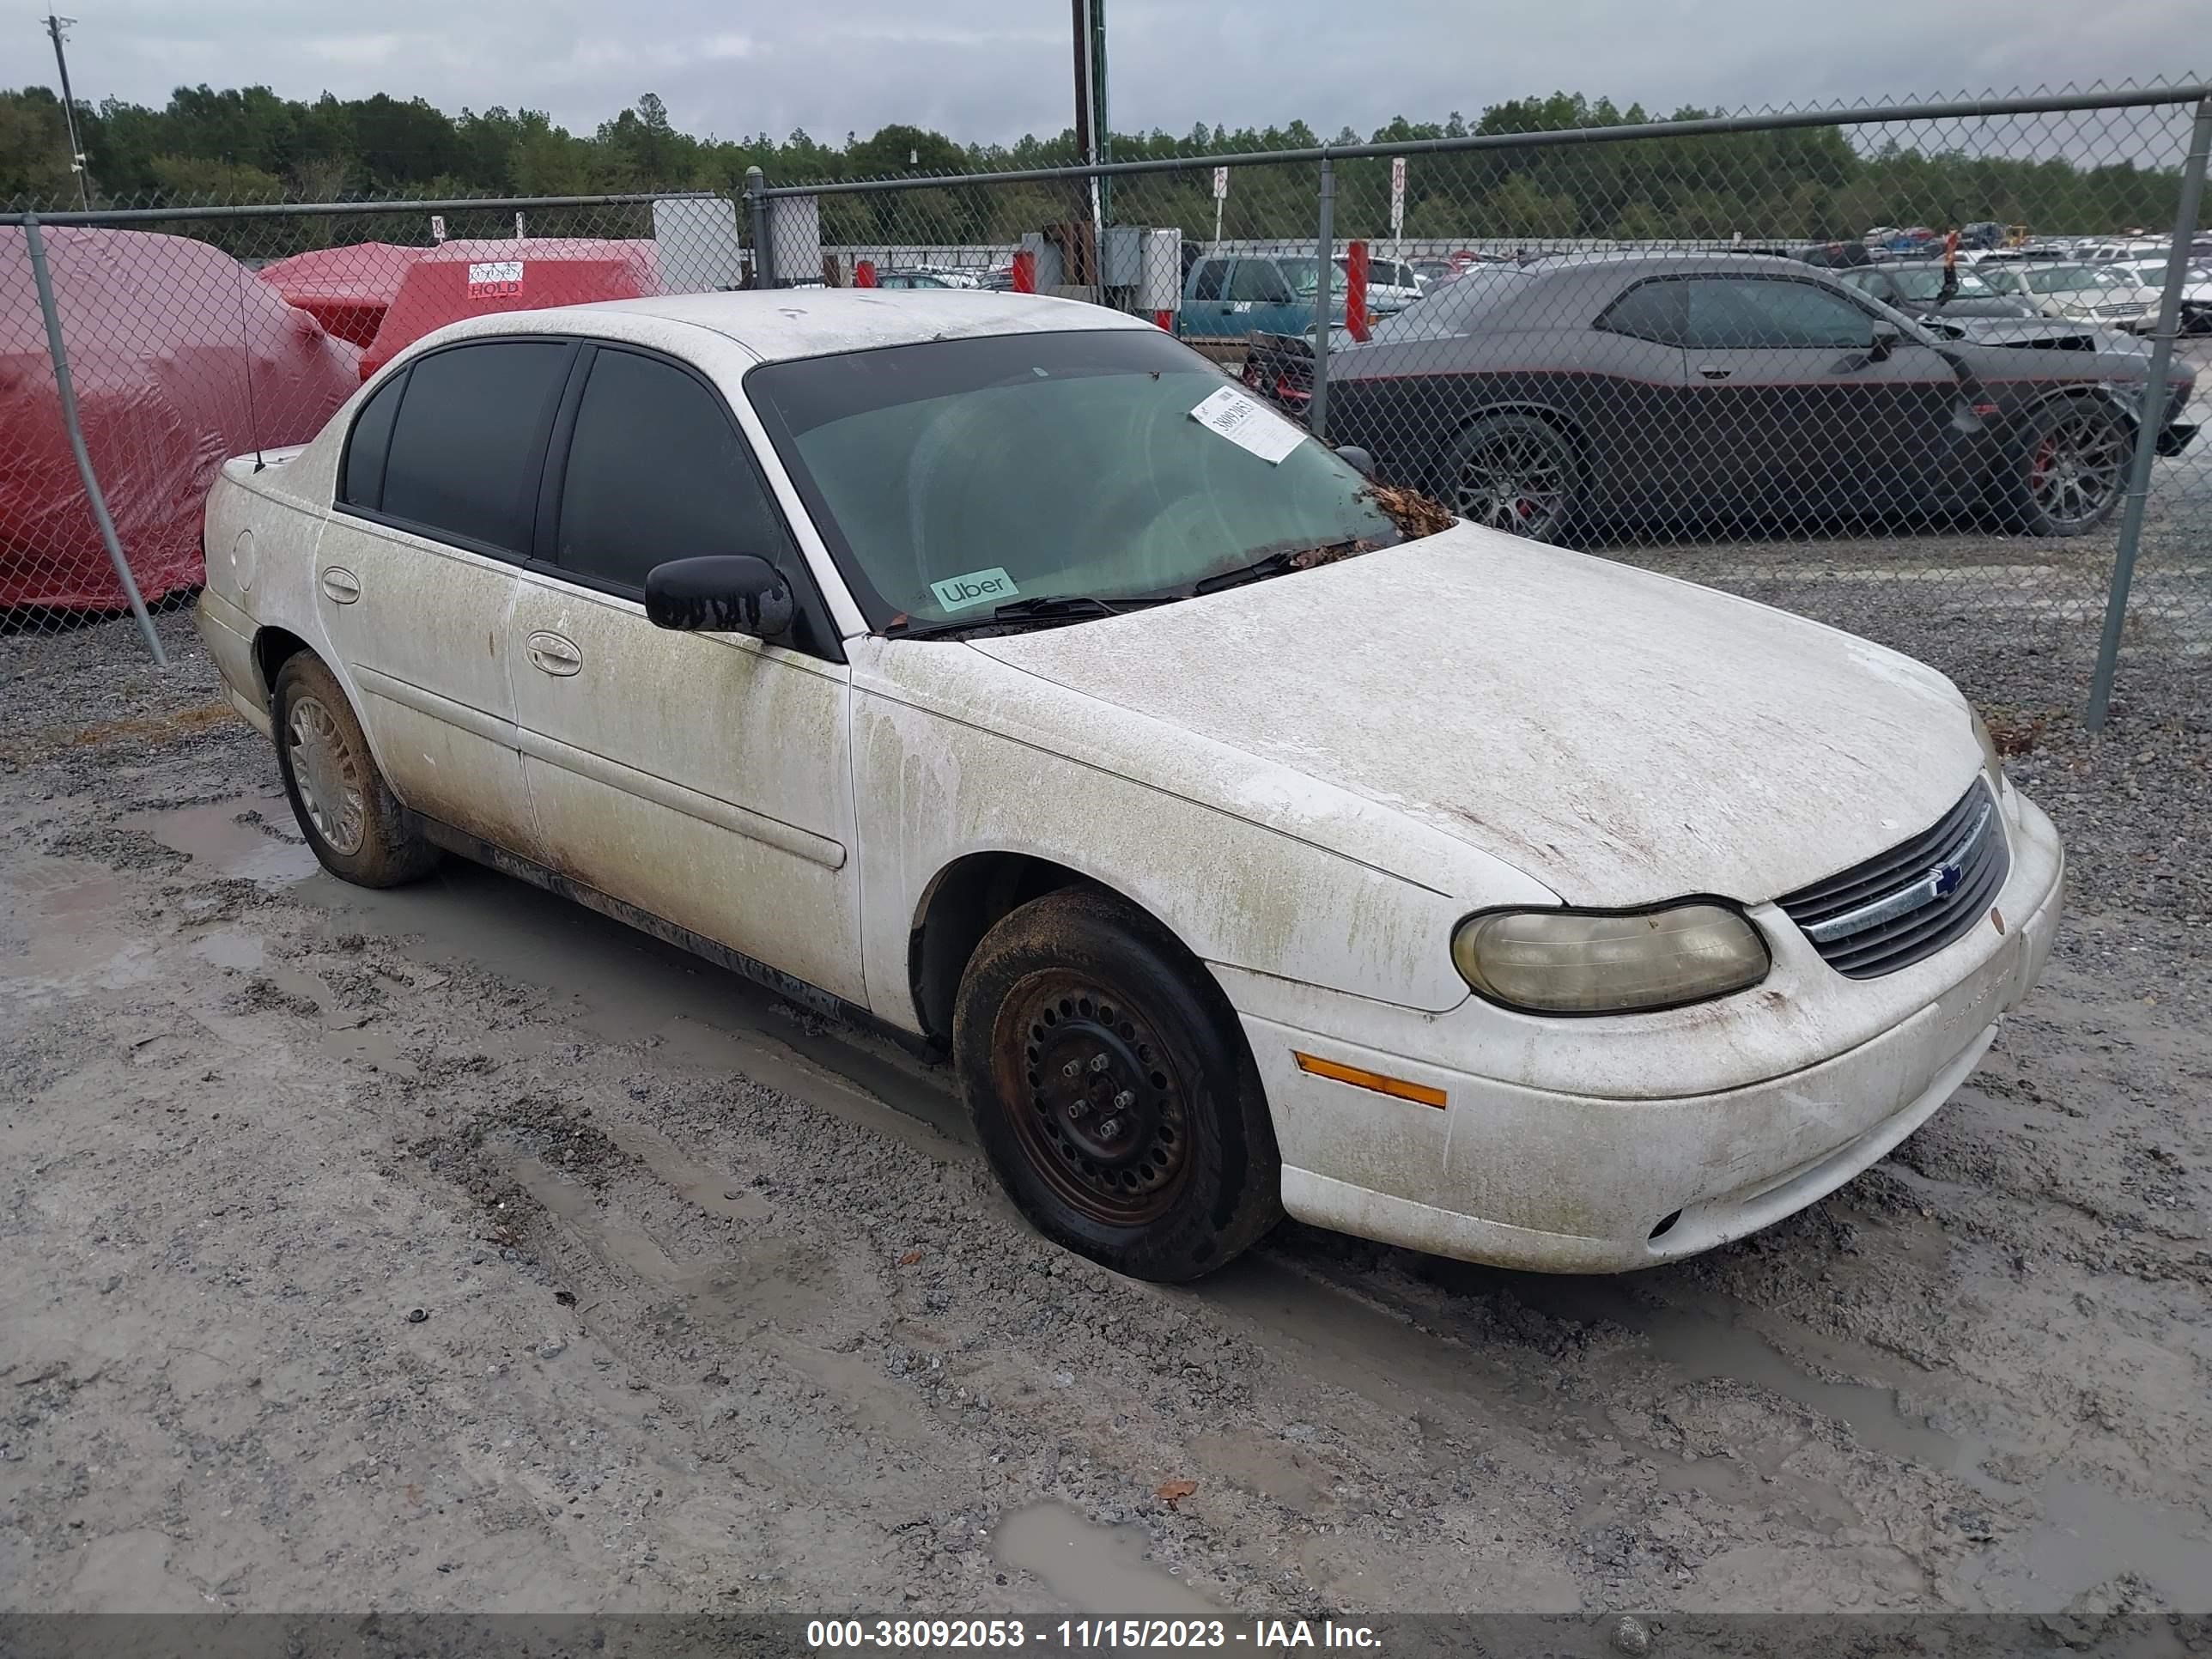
<point x="1414" y="513"/>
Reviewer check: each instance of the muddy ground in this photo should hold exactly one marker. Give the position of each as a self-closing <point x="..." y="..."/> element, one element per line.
<point x="454" y="1248"/>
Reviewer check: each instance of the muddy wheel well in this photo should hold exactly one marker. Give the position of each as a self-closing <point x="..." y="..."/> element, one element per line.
<point x="271" y="646"/>
<point x="963" y="904"/>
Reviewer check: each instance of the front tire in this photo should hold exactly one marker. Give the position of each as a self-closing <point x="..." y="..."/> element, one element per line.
<point x="1112" y="1091"/>
<point x="2067" y="469"/>
<point x="358" y="830"/>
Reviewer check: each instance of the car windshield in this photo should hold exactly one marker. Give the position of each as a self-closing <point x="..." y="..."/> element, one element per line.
<point x="1455" y="307"/>
<point x="1303" y="274"/>
<point x="955" y="474"/>
<point x="1926" y="282"/>
<point x="1385" y="273"/>
<point x="2060" y="279"/>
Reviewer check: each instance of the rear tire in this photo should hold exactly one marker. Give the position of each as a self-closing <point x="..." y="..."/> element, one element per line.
<point x="1111" y="1089"/>
<point x="2067" y="468"/>
<point x="1513" y="472"/>
<point x="358" y="830"/>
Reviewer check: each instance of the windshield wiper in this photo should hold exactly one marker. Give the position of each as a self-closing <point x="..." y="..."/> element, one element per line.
<point x="1045" y="608"/>
<point x="1273" y="564"/>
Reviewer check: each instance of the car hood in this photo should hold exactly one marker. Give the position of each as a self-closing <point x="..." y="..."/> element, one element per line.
<point x="1620" y="736"/>
<point x="1991" y="305"/>
<point x="2045" y="334"/>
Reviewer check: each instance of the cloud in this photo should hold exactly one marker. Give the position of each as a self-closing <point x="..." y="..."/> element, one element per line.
<point x="991" y="69"/>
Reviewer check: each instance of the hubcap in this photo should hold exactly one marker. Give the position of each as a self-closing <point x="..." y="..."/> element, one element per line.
<point x="1099" y="1109"/>
<point x="327" y="774"/>
<point x="1513" y="481"/>
<point x="2077" y="468"/>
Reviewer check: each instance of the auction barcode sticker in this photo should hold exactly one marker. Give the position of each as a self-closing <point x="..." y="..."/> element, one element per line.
<point x="1247" y="425"/>
<point x="494" y="277"/>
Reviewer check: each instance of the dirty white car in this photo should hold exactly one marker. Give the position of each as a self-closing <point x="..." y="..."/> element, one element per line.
<point x="990" y="667"/>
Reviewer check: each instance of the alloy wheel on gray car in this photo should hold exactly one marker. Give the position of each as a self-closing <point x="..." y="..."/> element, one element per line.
<point x="1513" y="472"/>
<point x="2077" y="468"/>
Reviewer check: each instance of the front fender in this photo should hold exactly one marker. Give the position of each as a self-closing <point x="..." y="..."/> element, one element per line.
<point x="1371" y="915"/>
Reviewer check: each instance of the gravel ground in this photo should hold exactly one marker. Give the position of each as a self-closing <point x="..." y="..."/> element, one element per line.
<point x="454" y="1248"/>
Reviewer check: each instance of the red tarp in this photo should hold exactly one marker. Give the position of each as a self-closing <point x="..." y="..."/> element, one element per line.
<point x="467" y="279"/>
<point x="346" y="289"/>
<point x="157" y="330"/>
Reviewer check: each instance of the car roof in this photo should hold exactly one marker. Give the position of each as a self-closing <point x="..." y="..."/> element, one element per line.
<point x="1618" y="260"/>
<point x="775" y="325"/>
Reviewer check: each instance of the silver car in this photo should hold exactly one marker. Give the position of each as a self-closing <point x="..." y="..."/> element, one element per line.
<point x="2079" y="293"/>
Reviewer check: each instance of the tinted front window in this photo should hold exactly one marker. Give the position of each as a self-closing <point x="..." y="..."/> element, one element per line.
<point x="1258" y="280"/>
<point x="1071" y="462"/>
<point x="657" y="470"/>
<point x="362" y="481"/>
<point x="467" y="449"/>
<point x="1732" y="313"/>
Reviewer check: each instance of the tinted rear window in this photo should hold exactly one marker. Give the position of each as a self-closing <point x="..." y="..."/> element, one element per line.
<point x="467" y="449"/>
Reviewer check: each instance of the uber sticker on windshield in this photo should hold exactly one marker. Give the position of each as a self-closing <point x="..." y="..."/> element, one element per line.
<point x="976" y="587"/>
<point x="1247" y="425"/>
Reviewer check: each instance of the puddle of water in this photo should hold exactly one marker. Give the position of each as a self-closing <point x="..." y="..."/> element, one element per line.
<point x="370" y="1045"/>
<point x="1098" y="1570"/>
<point x="230" y="947"/>
<point x="212" y="835"/>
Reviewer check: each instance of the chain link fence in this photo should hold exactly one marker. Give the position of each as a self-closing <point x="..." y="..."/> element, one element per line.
<point x="1930" y="372"/>
<point x="144" y="347"/>
<point x="1887" y="367"/>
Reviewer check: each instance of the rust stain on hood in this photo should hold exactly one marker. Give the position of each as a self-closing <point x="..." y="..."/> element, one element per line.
<point x="1619" y="736"/>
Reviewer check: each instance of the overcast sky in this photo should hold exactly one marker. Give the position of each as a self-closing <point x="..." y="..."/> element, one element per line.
<point x="996" y="69"/>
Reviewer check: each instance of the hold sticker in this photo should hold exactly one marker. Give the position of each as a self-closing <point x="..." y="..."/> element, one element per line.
<point x="495" y="279"/>
<point x="976" y="587"/>
<point x="1249" y="425"/>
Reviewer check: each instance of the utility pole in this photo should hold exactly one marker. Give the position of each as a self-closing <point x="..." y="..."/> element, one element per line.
<point x="1092" y="144"/>
<point x="54" y="27"/>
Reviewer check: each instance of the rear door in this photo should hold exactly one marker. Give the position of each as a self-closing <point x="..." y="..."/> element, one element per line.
<point x="1795" y="412"/>
<point x="416" y="572"/>
<point x="702" y="777"/>
<point x="1260" y="297"/>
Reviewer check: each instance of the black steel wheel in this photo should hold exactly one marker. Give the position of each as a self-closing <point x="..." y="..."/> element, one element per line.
<point x="2069" y="467"/>
<point x="1110" y="1088"/>
<point x="1513" y="472"/>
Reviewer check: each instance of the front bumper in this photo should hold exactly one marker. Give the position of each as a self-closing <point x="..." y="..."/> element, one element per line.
<point x="1551" y="1181"/>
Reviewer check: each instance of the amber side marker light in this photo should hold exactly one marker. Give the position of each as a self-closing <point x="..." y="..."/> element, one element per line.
<point x="1420" y="1093"/>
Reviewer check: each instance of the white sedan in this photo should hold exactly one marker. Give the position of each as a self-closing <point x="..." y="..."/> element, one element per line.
<point x="988" y="668"/>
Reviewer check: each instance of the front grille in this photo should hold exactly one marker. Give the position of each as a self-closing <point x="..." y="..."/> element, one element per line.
<point x="1908" y="903"/>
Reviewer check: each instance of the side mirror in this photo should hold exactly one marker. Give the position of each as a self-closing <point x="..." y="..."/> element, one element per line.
<point x="1362" y="462"/>
<point x="1886" y="336"/>
<point x="728" y="593"/>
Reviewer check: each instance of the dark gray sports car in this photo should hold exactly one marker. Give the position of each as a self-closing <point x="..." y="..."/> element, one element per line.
<point x="1702" y="388"/>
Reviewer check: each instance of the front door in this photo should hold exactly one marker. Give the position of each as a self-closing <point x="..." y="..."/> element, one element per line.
<point x="1799" y="415"/>
<point x="416" y="573"/>
<point x="703" y="777"/>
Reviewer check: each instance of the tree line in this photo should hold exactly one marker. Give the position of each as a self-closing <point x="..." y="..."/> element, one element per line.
<point x="1804" y="183"/>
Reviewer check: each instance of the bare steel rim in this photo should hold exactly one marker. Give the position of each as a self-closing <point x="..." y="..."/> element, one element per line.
<point x="2079" y="467"/>
<point x="328" y="775"/>
<point x="1513" y="478"/>
<point x="1099" y="1105"/>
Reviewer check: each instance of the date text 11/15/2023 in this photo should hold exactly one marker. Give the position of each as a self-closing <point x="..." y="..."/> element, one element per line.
<point x="1259" y="1636"/>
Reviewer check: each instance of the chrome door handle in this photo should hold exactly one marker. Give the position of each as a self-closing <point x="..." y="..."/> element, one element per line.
<point x="552" y="654"/>
<point x="1714" y="371"/>
<point x="340" y="586"/>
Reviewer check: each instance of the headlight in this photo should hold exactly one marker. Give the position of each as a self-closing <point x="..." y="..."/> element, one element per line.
<point x="1991" y="757"/>
<point x="1567" y="961"/>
